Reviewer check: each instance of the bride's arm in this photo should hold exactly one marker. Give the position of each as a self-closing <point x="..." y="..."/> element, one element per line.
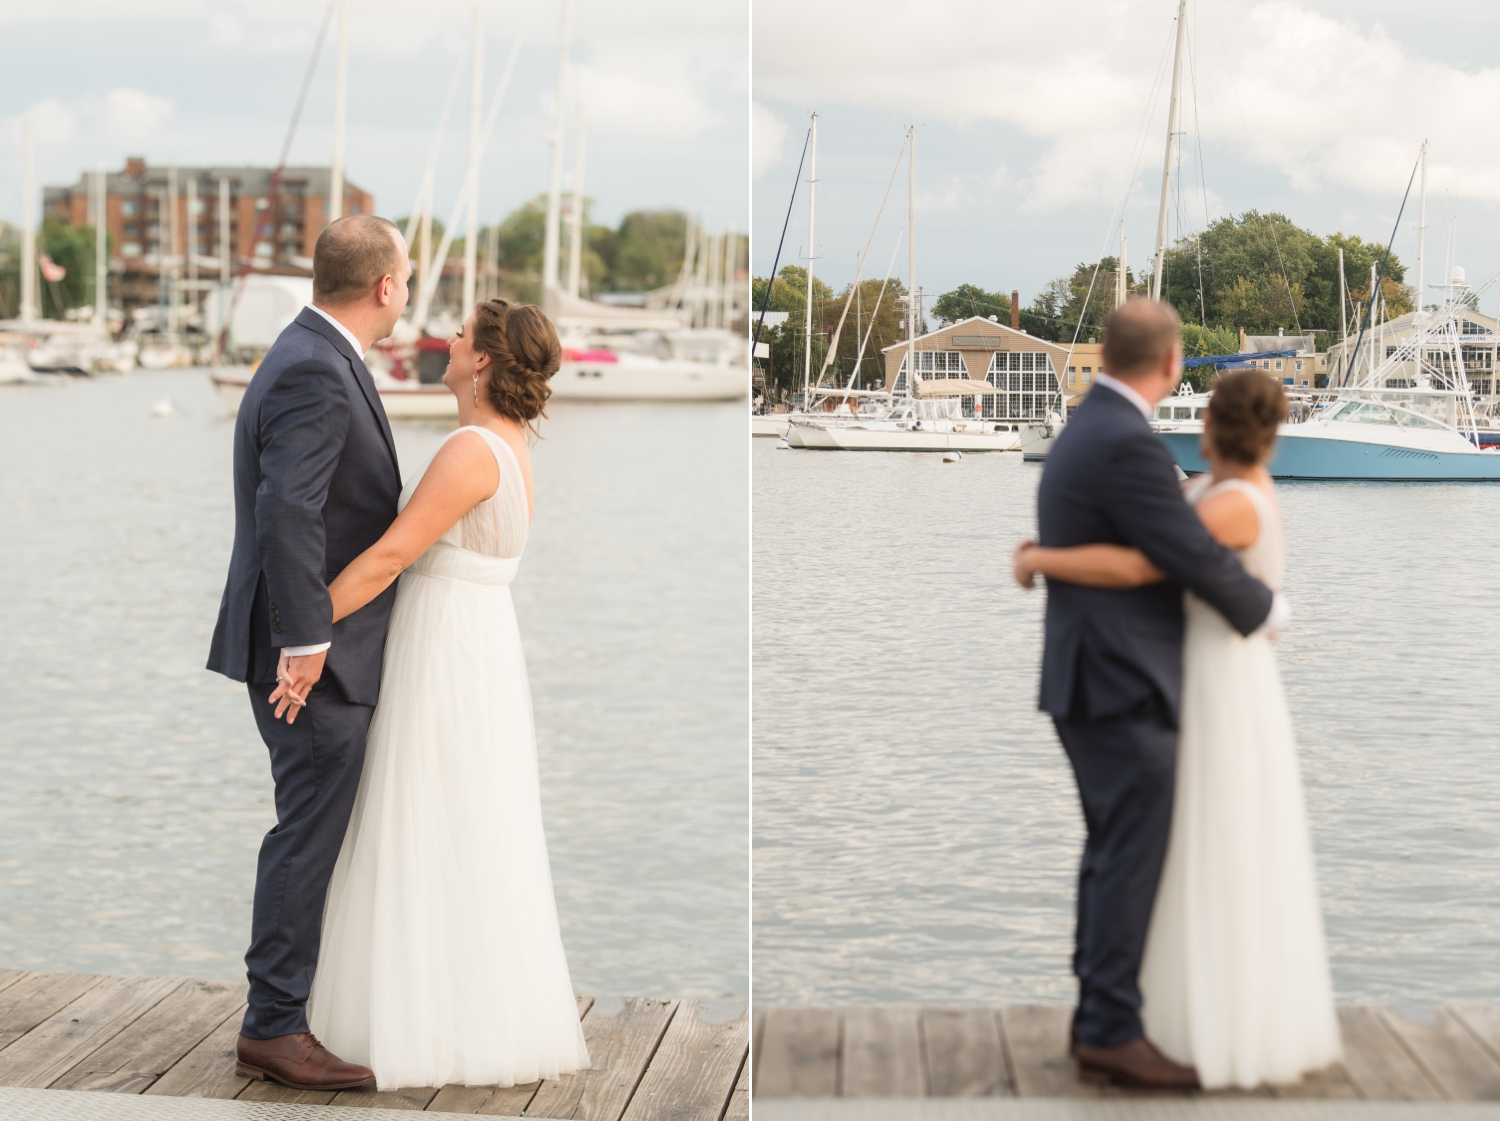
<point x="461" y="475"/>
<point x="1099" y="566"/>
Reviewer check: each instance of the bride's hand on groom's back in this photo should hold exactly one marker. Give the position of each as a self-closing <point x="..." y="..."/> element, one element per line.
<point x="1025" y="575"/>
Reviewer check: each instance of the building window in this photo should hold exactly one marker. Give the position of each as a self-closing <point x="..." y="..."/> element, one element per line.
<point x="133" y="230"/>
<point x="197" y="207"/>
<point x="131" y="249"/>
<point x="1031" y="384"/>
<point x="354" y="208"/>
<point x="1265" y="364"/>
<point x="130" y="208"/>
<point x="1278" y="363"/>
<point x="261" y="204"/>
<point x="1088" y="370"/>
<point x="937" y="364"/>
<point x="1299" y="365"/>
<point x="1087" y="377"/>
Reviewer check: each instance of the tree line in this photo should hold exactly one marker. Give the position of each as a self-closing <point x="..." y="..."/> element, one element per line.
<point x="1255" y="271"/>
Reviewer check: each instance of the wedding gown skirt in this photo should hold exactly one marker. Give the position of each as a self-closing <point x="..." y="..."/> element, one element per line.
<point x="441" y="959"/>
<point x="1235" y="977"/>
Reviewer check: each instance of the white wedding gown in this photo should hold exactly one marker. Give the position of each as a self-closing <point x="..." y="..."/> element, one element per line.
<point x="1235" y="976"/>
<point x="441" y="960"/>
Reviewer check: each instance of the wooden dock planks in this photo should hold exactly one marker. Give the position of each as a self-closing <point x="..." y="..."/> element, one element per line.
<point x="653" y="1060"/>
<point x="1022" y="1050"/>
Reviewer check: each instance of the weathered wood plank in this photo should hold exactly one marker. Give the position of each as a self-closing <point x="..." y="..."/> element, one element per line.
<point x="692" y="1074"/>
<point x="207" y="1071"/>
<point x="1036" y="1038"/>
<point x="739" y="1102"/>
<point x="408" y="1097"/>
<point x="1332" y="1083"/>
<point x="881" y="1054"/>
<point x="622" y="1036"/>
<point x="494" y="1101"/>
<point x="799" y="1054"/>
<point x="1483" y="1020"/>
<point x="147" y="1049"/>
<point x="53" y="1047"/>
<point x="1450" y="1055"/>
<point x="36" y="996"/>
<point x="1380" y="1067"/>
<point x="965" y="1058"/>
<point x="9" y="977"/>
<point x="275" y="1092"/>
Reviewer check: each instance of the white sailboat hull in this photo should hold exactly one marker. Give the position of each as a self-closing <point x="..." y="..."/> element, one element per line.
<point x="857" y="438"/>
<point x="665" y="380"/>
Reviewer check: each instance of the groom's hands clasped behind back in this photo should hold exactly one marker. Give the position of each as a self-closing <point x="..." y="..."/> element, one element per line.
<point x="295" y="678"/>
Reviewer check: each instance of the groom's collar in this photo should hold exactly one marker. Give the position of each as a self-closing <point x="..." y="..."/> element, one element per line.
<point x="354" y="343"/>
<point x="1126" y="391"/>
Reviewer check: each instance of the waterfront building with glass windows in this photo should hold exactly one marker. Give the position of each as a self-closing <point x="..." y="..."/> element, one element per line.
<point x="980" y="349"/>
<point x="1477" y="351"/>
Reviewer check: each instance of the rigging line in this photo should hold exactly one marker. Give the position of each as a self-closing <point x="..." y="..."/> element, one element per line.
<point x="1119" y="211"/>
<point x="833" y="344"/>
<point x="876" y="310"/>
<point x="271" y="191"/>
<point x="1245" y="126"/>
<point x="1202" y="187"/>
<point x="776" y="263"/>
<point x="1370" y="303"/>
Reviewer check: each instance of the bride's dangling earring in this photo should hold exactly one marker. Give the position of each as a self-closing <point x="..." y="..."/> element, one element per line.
<point x="476" y="389"/>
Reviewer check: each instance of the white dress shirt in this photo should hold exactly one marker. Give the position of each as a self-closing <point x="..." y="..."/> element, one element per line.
<point x="1281" y="609"/>
<point x="318" y="648"/>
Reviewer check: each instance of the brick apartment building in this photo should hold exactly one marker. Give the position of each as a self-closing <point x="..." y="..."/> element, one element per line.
<point x="138" y="209"/>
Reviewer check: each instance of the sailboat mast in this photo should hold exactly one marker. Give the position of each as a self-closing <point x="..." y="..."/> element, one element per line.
<point x="812" y="207"/>
<point x="1343" y="318"/>
<point x="911" y="260"/>
<point x="575" y="219"/>
<point x="554" y="193"/>
<point x="101" y="247"/>
<point x="1422" y="234"/>
<point x="340" y="101"/>
<point x="476" y="115"/>
<point x="28" y="226"/>
<point x="1120" y="282"/>
<point x="1166" y="167"/>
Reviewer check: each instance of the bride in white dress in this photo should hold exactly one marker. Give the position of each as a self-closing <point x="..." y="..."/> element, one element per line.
<point x="441" y="960"/>
<point x="1235" y="978"/>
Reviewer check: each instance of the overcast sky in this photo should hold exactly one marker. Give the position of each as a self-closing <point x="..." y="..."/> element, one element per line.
<point x="1029" y="115"/>
<point x="665" y="85"/>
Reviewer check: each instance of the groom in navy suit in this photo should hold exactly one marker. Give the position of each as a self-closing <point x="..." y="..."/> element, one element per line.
<point x="1112" y="670"/>
<point x="315" y="484"/>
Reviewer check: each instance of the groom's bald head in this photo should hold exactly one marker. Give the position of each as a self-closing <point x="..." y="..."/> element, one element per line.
<point x="1139" y="337"/>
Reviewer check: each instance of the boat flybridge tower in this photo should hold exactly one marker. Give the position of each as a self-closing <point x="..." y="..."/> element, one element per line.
<point x="1426" y="373"/>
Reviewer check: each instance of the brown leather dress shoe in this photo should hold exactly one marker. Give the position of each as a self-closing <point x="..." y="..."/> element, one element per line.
<point x="298" y="1061"/>
<point x="1136" y="1063"/>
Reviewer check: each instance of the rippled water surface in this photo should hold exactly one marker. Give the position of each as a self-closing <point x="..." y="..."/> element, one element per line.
<point x="135" y="790"/>
<point x="916" y="825"/>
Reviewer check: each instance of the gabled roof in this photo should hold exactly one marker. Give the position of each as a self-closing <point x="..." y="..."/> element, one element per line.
<point x="989" y="325"/>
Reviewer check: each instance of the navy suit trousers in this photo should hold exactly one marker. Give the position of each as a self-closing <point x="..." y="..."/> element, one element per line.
<point x="1126" y="770"/>
<point x="316" y="765"/>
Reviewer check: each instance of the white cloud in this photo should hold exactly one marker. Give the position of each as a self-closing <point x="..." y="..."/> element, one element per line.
<point x="134" y="115"/>
<point x="767" y="139"/>
<point x="666" y="101"/>
<point x="1322" y="100"/>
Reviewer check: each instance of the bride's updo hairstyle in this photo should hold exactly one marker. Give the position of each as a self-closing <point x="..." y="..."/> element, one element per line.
<point x="1246" y="407"/>
<point x="524" y="354"/>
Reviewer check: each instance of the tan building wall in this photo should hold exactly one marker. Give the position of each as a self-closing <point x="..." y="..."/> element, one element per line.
<point x="977" y="339"/>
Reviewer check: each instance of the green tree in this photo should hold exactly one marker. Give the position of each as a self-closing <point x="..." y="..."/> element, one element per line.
<point x="969" y="300"/>
<point x="1261" y="272"/>
<point x="71" y="247"/>
<point x="788" y="293"/>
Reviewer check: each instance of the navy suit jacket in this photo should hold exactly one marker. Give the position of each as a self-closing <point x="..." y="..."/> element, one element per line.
<point x="1109" y="479"/>
<point x="315" y="484"/>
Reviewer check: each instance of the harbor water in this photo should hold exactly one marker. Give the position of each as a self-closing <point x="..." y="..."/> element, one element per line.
<point x="917" y="830"/>
<point x="136" y="791"/>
